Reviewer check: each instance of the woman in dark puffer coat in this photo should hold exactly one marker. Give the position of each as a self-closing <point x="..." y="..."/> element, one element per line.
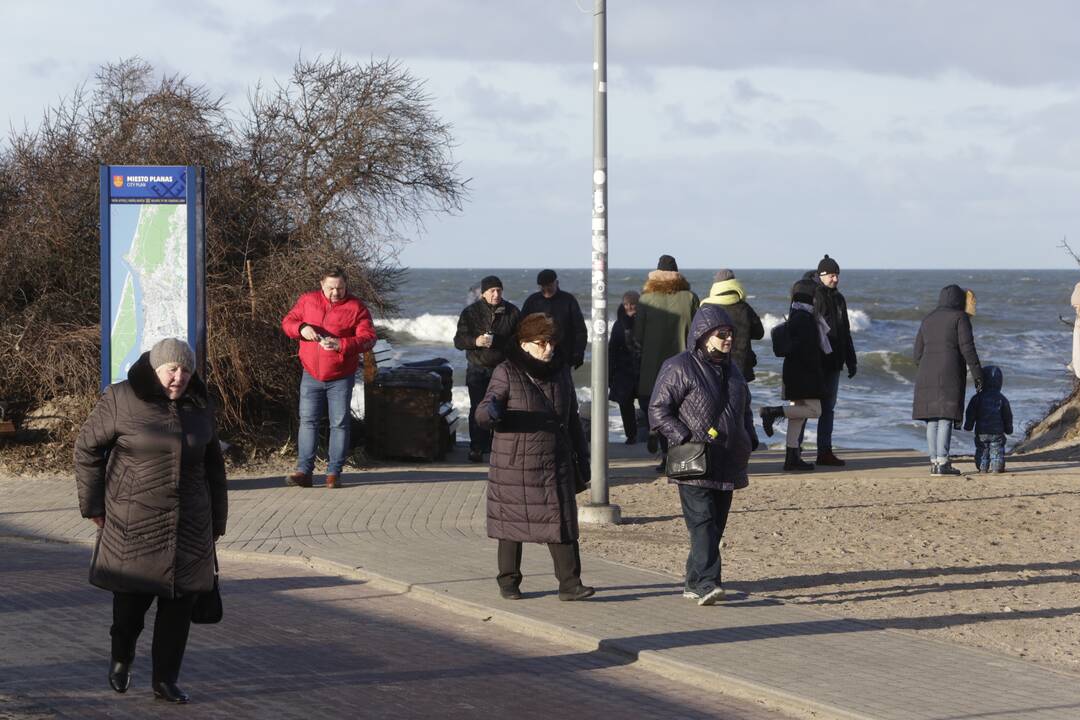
<point x="151" y="476"/>
<point x="531" y="406"/>
<point x="944" y="346"/>
<point x="700" y="396"/>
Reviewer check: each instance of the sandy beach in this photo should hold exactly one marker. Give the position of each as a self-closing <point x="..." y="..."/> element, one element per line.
<point x="991" y="561"/>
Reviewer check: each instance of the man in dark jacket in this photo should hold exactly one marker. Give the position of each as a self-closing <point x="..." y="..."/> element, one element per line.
<point x="728" y="293"/>
<point x="483" y="331"/>
<point x="701" y="397"/>
<point x="831" y="305"/>
<point x="566" y="311"/>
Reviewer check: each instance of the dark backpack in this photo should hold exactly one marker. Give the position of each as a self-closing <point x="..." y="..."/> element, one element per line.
<point x="781" y="340"/>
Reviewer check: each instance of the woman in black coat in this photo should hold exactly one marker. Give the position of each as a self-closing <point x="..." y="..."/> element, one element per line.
<point x="803" y="373"/>
<point x="944" y="347"/>
<point x="151" y="476"/>
<point x="531" y="405"/>
<point x="700" y="396"/>
<point x="624" y="364"/>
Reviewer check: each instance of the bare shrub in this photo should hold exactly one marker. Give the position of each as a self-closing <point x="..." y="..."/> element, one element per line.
<point x="338" y="164"/>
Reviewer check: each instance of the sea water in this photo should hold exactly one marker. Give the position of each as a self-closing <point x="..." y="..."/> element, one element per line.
<point x="1017" y="328"/>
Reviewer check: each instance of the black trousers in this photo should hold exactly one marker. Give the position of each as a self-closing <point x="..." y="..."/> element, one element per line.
<point x="171" y="625"/>
<point x="477" y="379"/>
<point x="566" y="556"/>
<point x="629" y="418"/>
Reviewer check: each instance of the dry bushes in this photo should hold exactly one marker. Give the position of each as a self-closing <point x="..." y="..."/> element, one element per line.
<point x="333" y="166"/>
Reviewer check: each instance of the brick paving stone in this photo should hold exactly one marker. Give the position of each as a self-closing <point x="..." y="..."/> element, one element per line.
<point x="297" y="644"/>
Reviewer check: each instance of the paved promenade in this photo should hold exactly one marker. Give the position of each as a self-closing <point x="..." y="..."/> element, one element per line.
<point x="422" y="529"/>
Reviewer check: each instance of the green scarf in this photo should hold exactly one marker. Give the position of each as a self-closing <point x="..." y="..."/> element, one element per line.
<point x="726" y="292"/>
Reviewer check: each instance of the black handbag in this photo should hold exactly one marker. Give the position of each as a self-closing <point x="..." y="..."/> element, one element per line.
<point x="579" y="466"/>
<point x="689" y="461"/>
<point x="207" y="609"/>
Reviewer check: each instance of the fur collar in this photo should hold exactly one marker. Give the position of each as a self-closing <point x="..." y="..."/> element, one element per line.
<point x="147" y="387"/>
<point x="527" y="363"/>
<point x="665" y="282"/>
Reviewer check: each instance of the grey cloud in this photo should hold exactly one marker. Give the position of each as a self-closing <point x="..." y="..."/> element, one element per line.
<point x="746" y="92"/>
<point x="723" y="122"/>
<point x="800" y="130"/>
<point x="491" y="103"/>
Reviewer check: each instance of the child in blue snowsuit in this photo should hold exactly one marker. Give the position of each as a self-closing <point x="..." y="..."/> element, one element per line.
<point x="990" y="415"/>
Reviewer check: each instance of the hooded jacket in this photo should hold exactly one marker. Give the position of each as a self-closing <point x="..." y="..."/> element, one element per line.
<point x="943" y="347"/>
<point x="482" y="317"/>
<point x="730" y="295"/>
<point x="348" y="320"/>
<point x="530" y="489"/>
<point x="988" y="411"/>
<point x="665" y="309"/>
<point x="693" y="394"/>
<point x="153" y="468"/>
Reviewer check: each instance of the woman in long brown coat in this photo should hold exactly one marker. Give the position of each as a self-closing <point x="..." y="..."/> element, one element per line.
<point x="150" y="475"/>
<point x="531" y="406"/>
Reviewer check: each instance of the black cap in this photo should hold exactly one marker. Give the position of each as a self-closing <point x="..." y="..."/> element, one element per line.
<point x="490" y="282"/>
<point x="828" y="266"/>
<point x="546" y="277"/>
<point x="668" y="263"/>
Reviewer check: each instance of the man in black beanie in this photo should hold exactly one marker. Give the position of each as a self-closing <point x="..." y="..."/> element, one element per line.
<point x="483" y="332"/>
<point x="564" y="308"/>
<point x="831" y="305"/>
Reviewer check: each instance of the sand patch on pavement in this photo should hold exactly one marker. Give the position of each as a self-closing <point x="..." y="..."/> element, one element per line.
<point x="991" y="561"/>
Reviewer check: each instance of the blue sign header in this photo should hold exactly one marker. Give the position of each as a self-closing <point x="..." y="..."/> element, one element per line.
<point x="143" y="184"/>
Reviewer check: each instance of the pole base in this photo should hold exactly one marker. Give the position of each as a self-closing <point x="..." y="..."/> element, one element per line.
<point x="590" y="514"/>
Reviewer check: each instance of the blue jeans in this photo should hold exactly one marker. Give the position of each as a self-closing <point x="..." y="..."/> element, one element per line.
<point x="990" y="452"/>
<point x="828" y="405"/>
<point x="316" y="397"/>
<point x="938" y="439"/>
<point x="705" y="511"/>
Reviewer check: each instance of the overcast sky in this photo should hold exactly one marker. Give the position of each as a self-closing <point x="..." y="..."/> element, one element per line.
<point x="749" y="134"/>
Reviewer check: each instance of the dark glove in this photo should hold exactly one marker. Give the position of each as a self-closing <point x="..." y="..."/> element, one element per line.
<point x="578" y="362"/>
<point x="978" y="384"/>
<point x="754" y="442"/>
<point x="495" y="410"/>
<point x="850" y="371"/>
<point x="956" y="424"/>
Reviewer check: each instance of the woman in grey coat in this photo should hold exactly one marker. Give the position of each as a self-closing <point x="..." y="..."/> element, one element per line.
<point x="532" y="407"/>
<point x="151" y="476"/>
<point x="944" y="347"/>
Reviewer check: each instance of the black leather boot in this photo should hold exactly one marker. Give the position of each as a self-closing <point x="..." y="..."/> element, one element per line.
<point x="792" y="461"/>
<point x="169" y="692"/>
<point x="770" y="415"/>
<point x="120" y="676"/>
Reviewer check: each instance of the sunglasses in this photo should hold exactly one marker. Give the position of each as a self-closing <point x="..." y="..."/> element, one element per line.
<point x="725" y="334"/>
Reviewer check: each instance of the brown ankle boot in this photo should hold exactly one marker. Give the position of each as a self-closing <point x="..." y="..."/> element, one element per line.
<point x="332" y="481"/>
<point x="826" y="457"/>
<point x="299" y="479"/>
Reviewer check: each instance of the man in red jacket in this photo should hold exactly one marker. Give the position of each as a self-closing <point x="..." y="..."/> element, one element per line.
<point x="334" y="329"/>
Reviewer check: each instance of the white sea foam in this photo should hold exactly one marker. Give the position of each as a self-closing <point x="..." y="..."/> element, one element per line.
<point x="858" y="318"/>
<point x="426" y="328"/>
<point x="769" y="321"/>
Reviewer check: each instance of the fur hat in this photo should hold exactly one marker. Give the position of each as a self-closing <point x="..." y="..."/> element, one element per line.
<point x="722" y="275"/>
<point x="172" y="350"/>
<point x="489" y="282"/>
<point x="828" y="266"/>
<point x="537" y="326"/>
<point x="668" y="263"/>
<point x="546" y="277"/>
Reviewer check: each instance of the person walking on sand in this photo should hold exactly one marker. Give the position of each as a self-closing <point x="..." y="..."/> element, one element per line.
<point x="701" y="397"/>
<point x="728" y="293"/>
<point x="484" y="330"/>
<point x="565" y="310"/>
<point x="665" y="310"/>
<point x="531" y="406"/>
<point x="807" y="342"/>
<point x="334" y="329"/>
<point x="832" y="306"/>
<point x="151" y="476"/>
<point x="944" y="346"/>
<point x="624" y="365"/>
